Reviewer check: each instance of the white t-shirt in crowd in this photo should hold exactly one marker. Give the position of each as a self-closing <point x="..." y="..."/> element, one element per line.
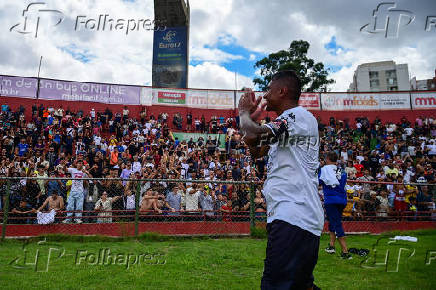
<point x="191" y="200"/>
<point x="97" y="140"/>
<point x="291" y="188"/>
<point x="77" y="185"/>
<point x="136" y="166"/>
<point x="344" y="155"/>
<point x="409" y="131"/>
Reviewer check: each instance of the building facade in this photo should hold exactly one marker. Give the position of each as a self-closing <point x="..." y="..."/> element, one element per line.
<point x="380" y="76"/>
<point x="423" y="85"/>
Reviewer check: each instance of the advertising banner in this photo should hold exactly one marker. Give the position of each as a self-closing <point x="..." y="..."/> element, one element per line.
<point x="170" y="61"/>
<point x="309" y="101"/>
<point x="223" y="100"/>
<point x="350" y="101"/>
<point x="187" y="136"/>
<point x="146" y="97"/>
<point x="395" y="101"/>
<point x="425" y="100"/>
<point x="89" y="92"/>
<point x="18" y="87"/>
<point x="169" y="97"/>
<point x="197" y="99"/>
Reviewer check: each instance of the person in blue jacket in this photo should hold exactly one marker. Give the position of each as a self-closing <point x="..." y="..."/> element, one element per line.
<point x="333" y="181"/>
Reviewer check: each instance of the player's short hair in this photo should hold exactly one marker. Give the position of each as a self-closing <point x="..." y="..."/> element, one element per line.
<point x="292" y="81"/>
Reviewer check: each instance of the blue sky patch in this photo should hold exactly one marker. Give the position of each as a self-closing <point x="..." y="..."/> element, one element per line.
<point x="243" y="66"/>
<point x="82" y="55"/>
<point x="332" y="47"/>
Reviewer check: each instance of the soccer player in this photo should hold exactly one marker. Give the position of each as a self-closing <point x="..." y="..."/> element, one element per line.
<point x="333" y="181"/>
<point x="295" y="216"/>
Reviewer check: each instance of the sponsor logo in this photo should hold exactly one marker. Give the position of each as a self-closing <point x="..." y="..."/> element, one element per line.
<point x="169" y="36"/>
<point x="425" y="101"/>
<point x="170" y="95"/>
<point x="361" y="101"/>
<point x="355" y="101"/>
<point x="168" y="39"/>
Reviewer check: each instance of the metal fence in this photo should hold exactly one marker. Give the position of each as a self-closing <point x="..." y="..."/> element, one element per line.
<point x="126" y="207"/>
<point x="129" y="207"/>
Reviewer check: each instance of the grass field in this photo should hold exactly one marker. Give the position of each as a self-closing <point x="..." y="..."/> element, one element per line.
<point x="169" y="263"/>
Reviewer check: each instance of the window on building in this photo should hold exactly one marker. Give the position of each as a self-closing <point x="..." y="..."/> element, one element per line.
<point x="373" y="74"/>
<point x="392" y="81"/>
<point x="374" y="83"/>
<point x="393" y="88"/>
<point x="391" y="74"/>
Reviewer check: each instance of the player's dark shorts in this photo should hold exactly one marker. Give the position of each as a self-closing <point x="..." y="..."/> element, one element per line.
<point x="334" y="215"/>
<point x="291" y="256"/>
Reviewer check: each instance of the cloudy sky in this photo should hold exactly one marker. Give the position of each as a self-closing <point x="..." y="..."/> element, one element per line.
<point x="226" y="36"/>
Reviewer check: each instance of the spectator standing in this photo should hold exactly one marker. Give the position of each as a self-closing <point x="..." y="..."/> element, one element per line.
<point x="77" y="194"/>
<point x="333" y="181"/>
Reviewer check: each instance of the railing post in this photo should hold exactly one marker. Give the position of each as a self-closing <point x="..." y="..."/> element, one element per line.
<point x="252" y="217"/>
<point x="137" y="196"/>
<point x="6" y="209"/>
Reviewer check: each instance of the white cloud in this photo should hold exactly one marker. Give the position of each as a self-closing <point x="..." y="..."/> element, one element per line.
<point x="212" y="55"/>
<point x="212" y="76"/>
<point x="258" y="26"/>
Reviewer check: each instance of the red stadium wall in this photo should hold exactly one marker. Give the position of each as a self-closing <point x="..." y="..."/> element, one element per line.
<point x="385" y="116"/>
<point x="197" y="228"/>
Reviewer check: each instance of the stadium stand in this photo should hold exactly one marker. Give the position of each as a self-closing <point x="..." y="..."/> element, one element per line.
<point x="142" y="145"/>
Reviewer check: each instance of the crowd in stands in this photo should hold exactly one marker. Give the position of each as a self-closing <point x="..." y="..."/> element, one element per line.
<point x="104" y="145"/>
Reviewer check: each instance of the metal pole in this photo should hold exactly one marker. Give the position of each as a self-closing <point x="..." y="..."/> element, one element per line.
<point x="252" y="217"/>
<point x="38" y="80"/>
<point x="6" y="210"/>
<point x="137" y="196"/>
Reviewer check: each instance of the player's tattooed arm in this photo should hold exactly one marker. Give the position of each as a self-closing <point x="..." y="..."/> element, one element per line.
<point x="255" y="136"/>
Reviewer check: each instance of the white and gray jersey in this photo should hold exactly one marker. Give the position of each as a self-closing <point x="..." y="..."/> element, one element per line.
<point x="291" y="188"/>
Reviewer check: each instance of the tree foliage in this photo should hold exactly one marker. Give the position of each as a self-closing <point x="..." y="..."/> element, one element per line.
<point x="314" y="77"/>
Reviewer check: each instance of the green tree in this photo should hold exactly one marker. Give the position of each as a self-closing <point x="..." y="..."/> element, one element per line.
<point x="314" y="77"/>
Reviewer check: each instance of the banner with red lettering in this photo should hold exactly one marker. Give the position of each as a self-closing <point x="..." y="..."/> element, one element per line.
<point x="309" y="101"/>
<point x="349" y="101"/>
<point x="425" y="100"/>
<point x="169" y="97"/>
<point x="197" y="99"/>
